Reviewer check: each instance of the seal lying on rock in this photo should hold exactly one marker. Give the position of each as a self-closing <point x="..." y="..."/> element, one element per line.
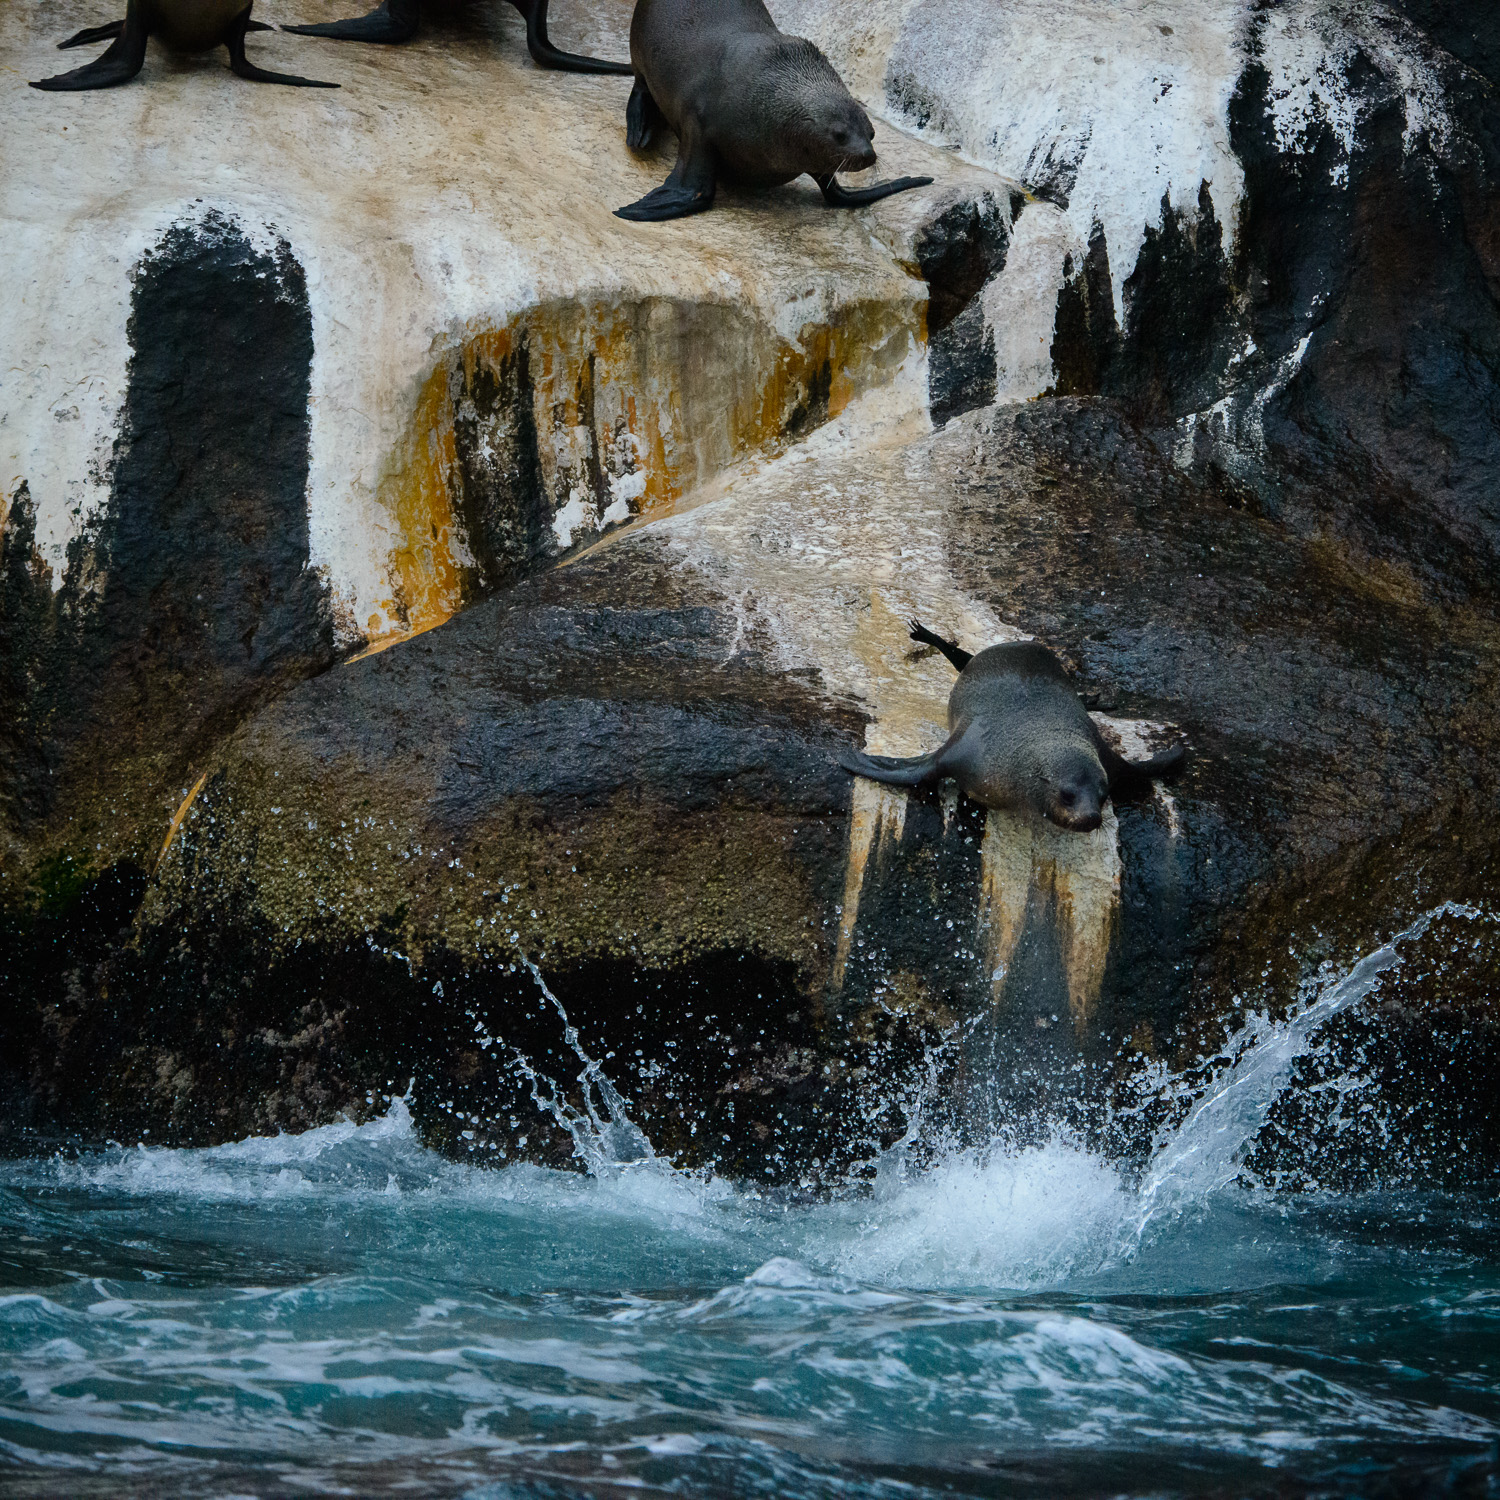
<point x="1021" y="738"/>
<point x="747" y="101"/>
<point x="397" y="21"/>
<point x="182" y="25"/>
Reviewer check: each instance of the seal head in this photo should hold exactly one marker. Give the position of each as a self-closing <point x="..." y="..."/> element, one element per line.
<point x="821" y="125"/>
<point x="1072" y="788"/>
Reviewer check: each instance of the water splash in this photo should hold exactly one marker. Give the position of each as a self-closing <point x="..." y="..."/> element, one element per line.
<point x="605" y="1139"/>
<point x="1204" y="1153"/>
<point x="944" y="1212"/>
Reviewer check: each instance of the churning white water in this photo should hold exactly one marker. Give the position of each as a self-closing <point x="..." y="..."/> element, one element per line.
<point x="343" y="1311"/>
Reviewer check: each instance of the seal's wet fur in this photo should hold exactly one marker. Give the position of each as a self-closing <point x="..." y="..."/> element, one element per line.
<point x="747" y="102"/>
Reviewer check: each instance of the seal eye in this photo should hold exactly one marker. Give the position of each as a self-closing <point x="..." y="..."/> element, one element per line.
<point x="1068" y="797"/>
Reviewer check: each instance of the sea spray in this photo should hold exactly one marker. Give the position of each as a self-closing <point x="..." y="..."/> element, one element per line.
<point x="1035" y="1204"/>
<point x="605" y="1138"/>
<point x="1205" y="1152"/>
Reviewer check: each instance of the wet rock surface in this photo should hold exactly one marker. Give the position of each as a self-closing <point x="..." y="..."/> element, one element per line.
<point x="254" y="878"/>
<point x="191" y="600"/>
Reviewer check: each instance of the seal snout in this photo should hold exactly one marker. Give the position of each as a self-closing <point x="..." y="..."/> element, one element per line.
<point x="1077" y="820"/>
<point x="856" y="151"/>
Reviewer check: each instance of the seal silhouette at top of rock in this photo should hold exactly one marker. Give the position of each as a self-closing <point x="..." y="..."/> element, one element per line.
<point x="747" y="101"/>
<point x="184" y="26"/>
<point x="396" y="21"/>
<point x="1021" y="738"/>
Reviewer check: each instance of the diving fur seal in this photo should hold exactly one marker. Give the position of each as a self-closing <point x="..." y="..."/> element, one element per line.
<point x="396" y="21"/>
<point x="183" y="26"/>
<point x="747" y="102"/>
<point x="1021" y="738"/>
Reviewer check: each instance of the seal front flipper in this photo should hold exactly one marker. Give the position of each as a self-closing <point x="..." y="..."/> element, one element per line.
<point x="118" y="65"/>
<point x="545" y="55"/>
<point x="688" y="190"/>
<point x="921" y="771"/>
<point x="242" y="67"/>
<point x="892" y="770"/>
<point x="955" y="653"/>
<point x="643" y="117"/>
<point x="392" y="21"/>
<point x="1129" y="779"/>
<point x="835" y="195"/>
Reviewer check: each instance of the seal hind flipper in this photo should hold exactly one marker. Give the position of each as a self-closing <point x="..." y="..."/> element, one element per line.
<point x="835" y="195"/>
<point x="118" y="65"/>
<point x="689" y="189"/>
<point x="545" y="55"/>
<point x="242" y="67"/>
<point x="954" y="652"/>
<point x="1131" y="779"/>
<point x="643" y="117"/>
<point x="392" y="21"/>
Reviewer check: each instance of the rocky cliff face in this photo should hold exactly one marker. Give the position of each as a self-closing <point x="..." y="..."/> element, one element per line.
<point x="1187" y="365"/>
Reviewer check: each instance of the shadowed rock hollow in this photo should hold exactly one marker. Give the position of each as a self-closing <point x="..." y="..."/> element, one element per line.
<point x="1188" y="368"/>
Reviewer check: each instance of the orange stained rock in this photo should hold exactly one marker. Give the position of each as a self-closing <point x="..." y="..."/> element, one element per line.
<point x="1077" y="877"/>
<point x="427" y="561"/>
<point x="672" y="390"/>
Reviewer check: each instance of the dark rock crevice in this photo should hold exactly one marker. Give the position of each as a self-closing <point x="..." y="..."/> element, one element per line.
<point x="959" y="253"/>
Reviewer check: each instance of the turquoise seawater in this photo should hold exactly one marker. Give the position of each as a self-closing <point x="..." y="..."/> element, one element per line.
<point x="343" y="1312"/>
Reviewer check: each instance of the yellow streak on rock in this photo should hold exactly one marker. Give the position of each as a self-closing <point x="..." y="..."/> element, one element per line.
<point x="1078" y="877"/>
<point x="876" y="813"/>
<point x="425" y="573"/>
<point x="677" y="391"/>
<point x="907" y="726"/>
<point x="177" y="818"/>
<point x="1005" y="873"/>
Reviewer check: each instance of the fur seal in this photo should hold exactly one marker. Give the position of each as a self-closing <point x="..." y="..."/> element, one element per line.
<point x="1021" y="737"/>
<point x="747" y="102"/>
<point x="183" y="26"/>
<point x="396" y="21"/>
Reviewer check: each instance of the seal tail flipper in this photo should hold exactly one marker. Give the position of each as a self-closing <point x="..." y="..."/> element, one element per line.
<point x="118" y="65"/>
<point x="392" y="21"/>
<point x="835" y="195"/>
<point x="1130" y="779"/>
<point x="242" y="67"/>
<point x="689" y="189"/>
<point x="545" y="55"/>
<point x="643" y="117"/>
<point x="954" y="652"/>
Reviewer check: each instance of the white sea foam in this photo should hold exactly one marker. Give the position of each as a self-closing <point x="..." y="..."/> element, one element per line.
<point x="992" y="1217"/>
